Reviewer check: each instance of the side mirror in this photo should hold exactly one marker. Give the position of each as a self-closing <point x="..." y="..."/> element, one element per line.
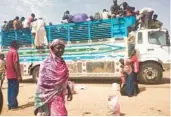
<point x="167" y="38"/>
<point x="168" y="43"/>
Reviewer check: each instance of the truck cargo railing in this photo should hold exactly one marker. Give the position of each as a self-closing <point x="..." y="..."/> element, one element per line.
<point x="72" y="32"/>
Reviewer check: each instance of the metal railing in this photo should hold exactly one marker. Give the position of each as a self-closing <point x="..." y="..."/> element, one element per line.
<point x="101" y="29"/>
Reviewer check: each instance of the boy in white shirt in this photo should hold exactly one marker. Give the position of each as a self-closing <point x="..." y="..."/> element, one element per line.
<point x="105" y="14"/>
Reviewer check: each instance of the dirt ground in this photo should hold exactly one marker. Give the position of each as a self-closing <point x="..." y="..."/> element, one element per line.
<point x="92" y="100"/>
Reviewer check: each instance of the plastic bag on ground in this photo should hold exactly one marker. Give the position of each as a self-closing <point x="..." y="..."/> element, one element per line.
<point x="114" y="101"/>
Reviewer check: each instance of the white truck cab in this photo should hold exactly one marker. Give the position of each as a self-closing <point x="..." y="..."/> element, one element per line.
<point x="153" y="49"/>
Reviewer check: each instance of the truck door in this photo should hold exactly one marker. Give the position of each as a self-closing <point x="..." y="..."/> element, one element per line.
<point x="158" y="46"/>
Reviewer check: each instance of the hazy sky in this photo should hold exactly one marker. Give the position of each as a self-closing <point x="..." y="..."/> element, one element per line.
<point x="52" y="10"/>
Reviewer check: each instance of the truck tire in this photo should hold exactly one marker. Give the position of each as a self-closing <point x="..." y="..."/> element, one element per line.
<point x="150" y="73"/>
<point x="35" y="73"/>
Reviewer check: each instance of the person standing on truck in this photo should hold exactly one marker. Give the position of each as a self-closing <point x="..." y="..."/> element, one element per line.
<point x="21" y="22"/>
<point x="105" y="14"/>
<point x="33" y="28"/>
<point x="53" y="83"/>
<point x="16" y="23"/>
<point x="131" y="41"/>
<point x="4" y="27"/>
<point x="13" y="75"/>
<point x="27" y="22"/>
<point x="146" y="17"/>
<point x="40" y="38"/>
<point x="10" y="25"/>
<point x="2" y="69"/>
<point x="156" y="23"/>
<point x="67" y="18"/>
<point x="115" y="9"/>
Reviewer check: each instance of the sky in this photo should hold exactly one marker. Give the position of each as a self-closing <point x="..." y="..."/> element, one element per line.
<point x="53" y="10"/>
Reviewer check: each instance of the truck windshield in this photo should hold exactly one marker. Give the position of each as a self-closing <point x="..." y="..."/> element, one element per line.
<point x="158" y="38"/>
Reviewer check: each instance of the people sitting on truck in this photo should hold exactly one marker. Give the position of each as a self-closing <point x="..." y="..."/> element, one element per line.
<point x="115" y="9"/>
<point x="34" y="28"/>
<point x="105" y="14"/>
<point x="92" y="18"/>
<point x="16" y="23"/>
<point x="4" y="26"/>
<point x="155" y="22"/>
<point x="146" y="17"/>
<point x="10" y="25"/>
<point x="21" y="22"/>
<point x="27" y="22"/>
<point x="97" y="16"/>
<point x="67" y="18"/>
<point x="50" y="24"/>
<point x="127" y="10"/>
<point x="40" y="38"/>
<point x="138" y="20"/>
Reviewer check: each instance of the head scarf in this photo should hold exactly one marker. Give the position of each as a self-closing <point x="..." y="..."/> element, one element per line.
<point x="54" y="43"/>
<point x="53" y="78"/>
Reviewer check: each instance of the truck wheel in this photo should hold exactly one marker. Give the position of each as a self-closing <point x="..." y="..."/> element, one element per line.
<point x="35" y="73"/>
<point x="150" y="73"/>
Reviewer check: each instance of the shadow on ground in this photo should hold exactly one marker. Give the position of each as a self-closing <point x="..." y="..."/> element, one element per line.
<point x="28" y="81"/>
<point x="99" y="81"/>
<point x="165" y="81"/>
<point x="27" y="105"/>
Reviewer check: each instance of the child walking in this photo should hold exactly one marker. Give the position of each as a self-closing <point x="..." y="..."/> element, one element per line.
<point x="127" y="77"/>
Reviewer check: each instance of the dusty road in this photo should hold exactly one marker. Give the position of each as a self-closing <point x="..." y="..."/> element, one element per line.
<point x="153" y="99"/>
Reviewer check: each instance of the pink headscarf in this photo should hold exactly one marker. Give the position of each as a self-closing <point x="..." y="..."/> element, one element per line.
<point x="54" y="43"/>
<point x="53" y="77"/>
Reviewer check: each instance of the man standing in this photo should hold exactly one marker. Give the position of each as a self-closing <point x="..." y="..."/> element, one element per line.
<point x="27" y="22"/>
<point x="4" y="27"/>
<point x="115" y="9"/>
<point x="156" y="23"/>
<point x="13" y="75"/>
<point x="67" y="18"/>
<point x="16" y="23"/>
<point x="146" y="17"/>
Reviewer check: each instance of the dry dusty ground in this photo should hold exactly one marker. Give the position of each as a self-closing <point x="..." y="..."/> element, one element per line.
<point x="153" y="100"/>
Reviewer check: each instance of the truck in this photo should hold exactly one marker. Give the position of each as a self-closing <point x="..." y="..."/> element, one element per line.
<point x="93" y="49"/>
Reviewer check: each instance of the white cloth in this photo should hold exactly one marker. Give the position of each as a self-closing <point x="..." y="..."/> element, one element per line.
<point x="40" y="38"/>
<point x="64" y="21"/>
<point x="105" y="15"/>
<point x="146" y="10"/>
<point x="34" y="27"/>
<point x="25" y="23"/>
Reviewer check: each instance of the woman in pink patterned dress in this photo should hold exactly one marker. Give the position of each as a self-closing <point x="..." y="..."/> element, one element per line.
<point x="53" y="83"/>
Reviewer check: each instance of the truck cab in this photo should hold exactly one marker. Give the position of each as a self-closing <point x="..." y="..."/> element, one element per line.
<point x="153" y="48"/>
